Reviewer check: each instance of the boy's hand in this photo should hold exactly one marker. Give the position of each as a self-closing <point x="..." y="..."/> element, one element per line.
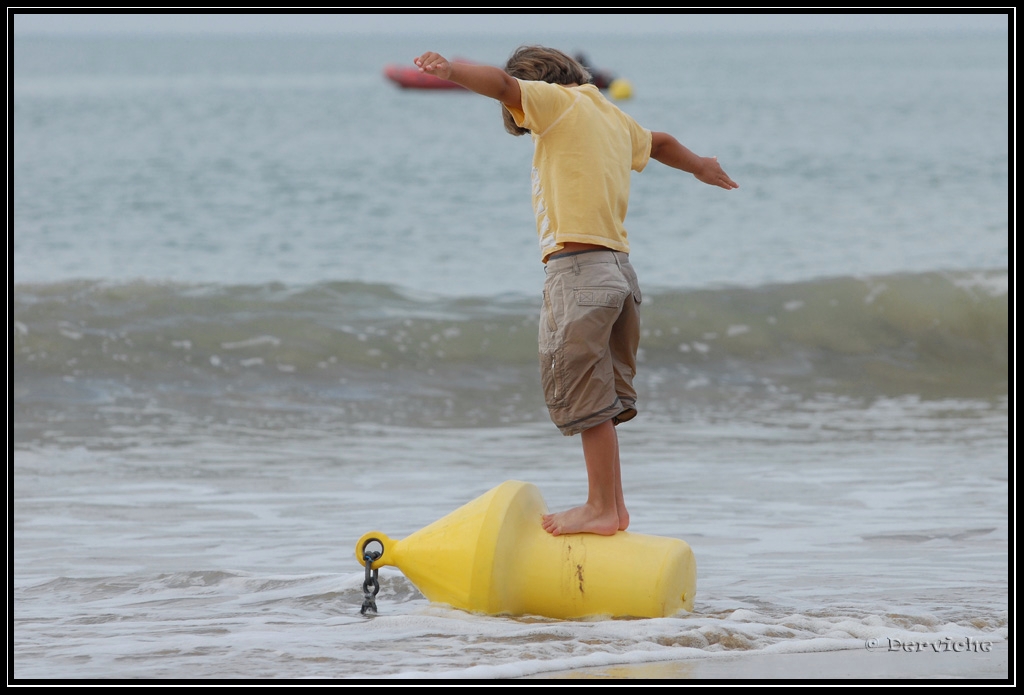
<point x="434" y="64"/>
<point x="711" y="172"/>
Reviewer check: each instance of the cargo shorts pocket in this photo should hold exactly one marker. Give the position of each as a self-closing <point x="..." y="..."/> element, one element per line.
<point x="634" y="284"/>
<point x="610" y="297"/>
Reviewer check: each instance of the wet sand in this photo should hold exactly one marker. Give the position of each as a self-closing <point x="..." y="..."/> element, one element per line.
<point x="851" y="664"/>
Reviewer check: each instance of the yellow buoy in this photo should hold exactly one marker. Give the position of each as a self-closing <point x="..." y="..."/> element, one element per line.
<point x="492" y="556"/>
<point x="620" y="89"/>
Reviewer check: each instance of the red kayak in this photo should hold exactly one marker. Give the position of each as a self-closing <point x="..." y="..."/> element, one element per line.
<point x="412" y="78"/>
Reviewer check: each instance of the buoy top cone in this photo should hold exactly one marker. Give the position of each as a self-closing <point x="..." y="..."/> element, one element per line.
<point x="452" y="560"/>
<point x="493" y="556"/>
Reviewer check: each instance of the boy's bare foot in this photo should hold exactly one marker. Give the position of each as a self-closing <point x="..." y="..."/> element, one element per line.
<point x="582" y="519"/>
<point x="623" y="519"/>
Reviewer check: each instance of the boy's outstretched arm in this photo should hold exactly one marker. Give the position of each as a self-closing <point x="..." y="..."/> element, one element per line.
<point x="667" y="150"/>
<point x="483" y="79"/>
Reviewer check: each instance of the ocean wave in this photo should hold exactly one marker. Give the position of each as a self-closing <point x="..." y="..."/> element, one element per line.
<point x="938" y="333"/>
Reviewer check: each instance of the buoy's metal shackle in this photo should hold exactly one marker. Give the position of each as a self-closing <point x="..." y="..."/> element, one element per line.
<point x="377" y="561"/>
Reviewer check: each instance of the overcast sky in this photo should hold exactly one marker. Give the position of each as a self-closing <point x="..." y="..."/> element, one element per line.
<point x="27" y="22"/>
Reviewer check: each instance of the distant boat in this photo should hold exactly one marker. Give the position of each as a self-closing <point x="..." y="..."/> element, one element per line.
<point x="411" y="78"/>
<point x="602" y="79"/>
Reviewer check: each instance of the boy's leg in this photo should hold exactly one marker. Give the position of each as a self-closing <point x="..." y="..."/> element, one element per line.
<point x="604" y="512"/>
<point x="620" y="499"/>
<point x="589" y="331"/>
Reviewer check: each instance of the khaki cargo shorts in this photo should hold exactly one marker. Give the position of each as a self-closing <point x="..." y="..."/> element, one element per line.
<point x="589" y="335"/>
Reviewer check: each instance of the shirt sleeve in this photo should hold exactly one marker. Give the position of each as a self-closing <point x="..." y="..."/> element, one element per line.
<point x="543" y="104"/>
<point x="641" y="139"/>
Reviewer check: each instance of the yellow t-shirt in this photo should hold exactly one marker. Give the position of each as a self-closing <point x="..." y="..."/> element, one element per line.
<point x="584" y="150"/>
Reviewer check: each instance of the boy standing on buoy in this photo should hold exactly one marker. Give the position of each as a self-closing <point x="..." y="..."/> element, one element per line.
<point x="584" y="150"/>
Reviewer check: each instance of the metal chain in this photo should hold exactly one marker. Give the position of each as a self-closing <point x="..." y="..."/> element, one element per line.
<point x="370" y="597"/>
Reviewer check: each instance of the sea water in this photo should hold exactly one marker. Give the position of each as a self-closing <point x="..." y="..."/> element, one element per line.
<point x="264" y="301"/>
